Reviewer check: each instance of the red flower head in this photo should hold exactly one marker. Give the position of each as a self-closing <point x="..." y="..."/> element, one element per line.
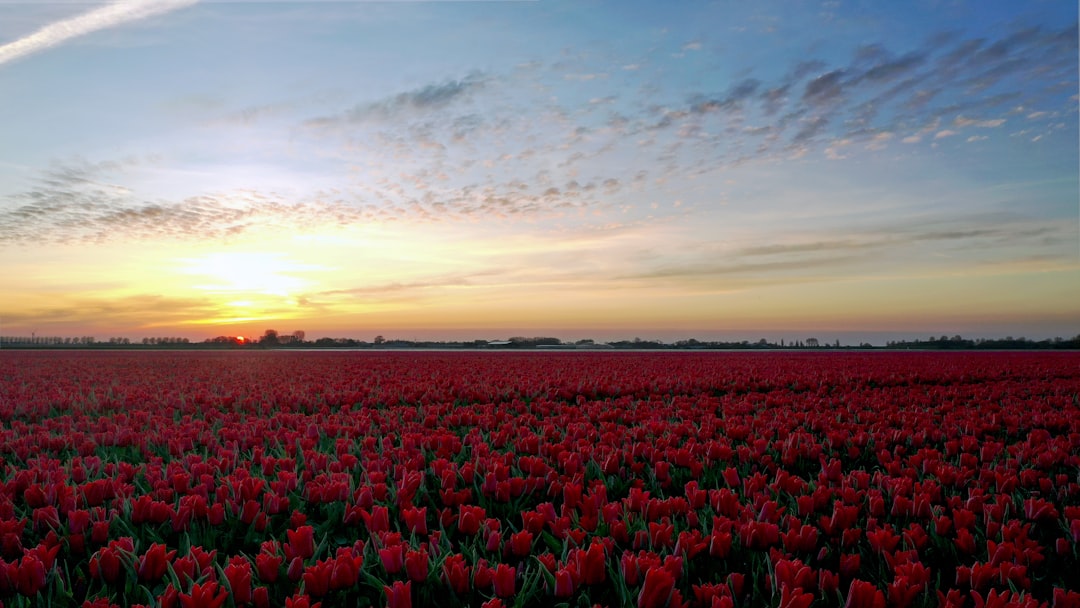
<point x="206" y="595"/>
<point x="457" y="573"/>
<point x="399" y="596"/>
<point x="107" y="563"/>
<point x="317" y="578"/>
<point x="301" y="543"/>
<point x="659" y="583"/>
<point x="416" y="565"/>
<point x="346" y="570"/>
<point x="594" y="565"/>
<point x="153" y="565"/>
<point x="862" y="594"/>
<point x="269" y="566"/>
<point x="564" y="583"/>
<point x="238" y="573"/>
<point x="392" y="558"/>
<point x="795" y="597"/>
<point x="31" y="575"/>
<point x="483" y="574"/>
<point x="301" y="601"/>
<point x="415" y="519"/>
<point x="505" y="580"/>
<point x="261" y="597"/>
<point x="469" y="518"/>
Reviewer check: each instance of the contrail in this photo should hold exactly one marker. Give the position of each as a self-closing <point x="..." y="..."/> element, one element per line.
<point x="92" y="21"/>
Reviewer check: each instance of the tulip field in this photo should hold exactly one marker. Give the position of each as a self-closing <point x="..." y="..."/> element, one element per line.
<point x="535" y="479"/>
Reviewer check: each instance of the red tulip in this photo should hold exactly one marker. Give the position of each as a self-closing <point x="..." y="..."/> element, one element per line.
<point x="392" y="558"/>
<point x="521" y="543"/>
<point x="469" y="518"/>
<point x="399" y="596"/>
<point x="594" y="565"/>
<point x="456" y="573"/>
<point x="345" y="570"/>
<point x="170" y="598"/>
<point x="505" y="580"/>
<point x="269" y="566"/>
<point x="261" y="597"/>
<point x="415" y="519"/>
<point x="483" y="575"/>
<point x="794" y="574"/>
<point x="317" y="578"/>
<point x="1066" y="598"/>
<point x="31" y="576"/>
<point x="108" y="564"/>
<point x="238" y="573"/>
<point x="301" y="601"/>
<point x="862" y="594"/>
<point x="301" y="543"/>
<point x="153" y="565"/>
<point x="659" y="584"/>
<point x="416" y="565"/>
<point x="850" y="564"/>
<point x="795" y="597"/>
<point x="719" y="544"/>
<point x="379" y="519"/>
<point x="828" y="581"/>
<point x="205" y="595"/>
<point x="564" y="583"/>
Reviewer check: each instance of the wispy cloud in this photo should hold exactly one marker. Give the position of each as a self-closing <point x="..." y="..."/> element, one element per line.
<point x="81" y="202"/>
<point x="111" y="15"/>
<point x="430" y="97"/>
<point x="1001" y="239"/>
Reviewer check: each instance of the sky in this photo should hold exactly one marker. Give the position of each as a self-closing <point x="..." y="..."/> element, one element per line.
<point x="861" y="171"/>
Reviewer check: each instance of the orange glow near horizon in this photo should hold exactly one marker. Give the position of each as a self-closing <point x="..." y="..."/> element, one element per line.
<point x="439" y="282"/>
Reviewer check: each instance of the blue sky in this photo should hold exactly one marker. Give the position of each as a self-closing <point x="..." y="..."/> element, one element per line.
<point x="472" y="169"/>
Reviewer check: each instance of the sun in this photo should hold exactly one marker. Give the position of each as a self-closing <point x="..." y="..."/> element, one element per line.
<point x="253" y="273"/>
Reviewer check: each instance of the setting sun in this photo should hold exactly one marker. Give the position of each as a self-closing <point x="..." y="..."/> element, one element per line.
<point x="259" y="273"/>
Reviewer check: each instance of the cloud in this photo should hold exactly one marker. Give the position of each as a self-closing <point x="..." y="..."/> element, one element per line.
<point x="430" y="97"/>
<point x="816" y="103"/>
<point x="738" y="93"/>
<point x="960" y="121"/>
<point x="398" y="290"/>
<point x="826" y="88"/>
<point x="810" y="128"/>
<point x="987" y="238"/>
<point x="751" y="270"/>
<point x="889" y="70"/>
<point x="485" y="146"/>
<point x="143" y="310"/>
<point x="77" y="203"/>
<point x="101" y="18"/>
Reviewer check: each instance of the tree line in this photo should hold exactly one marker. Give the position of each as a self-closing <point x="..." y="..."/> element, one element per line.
<point x="273" y="339"/>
